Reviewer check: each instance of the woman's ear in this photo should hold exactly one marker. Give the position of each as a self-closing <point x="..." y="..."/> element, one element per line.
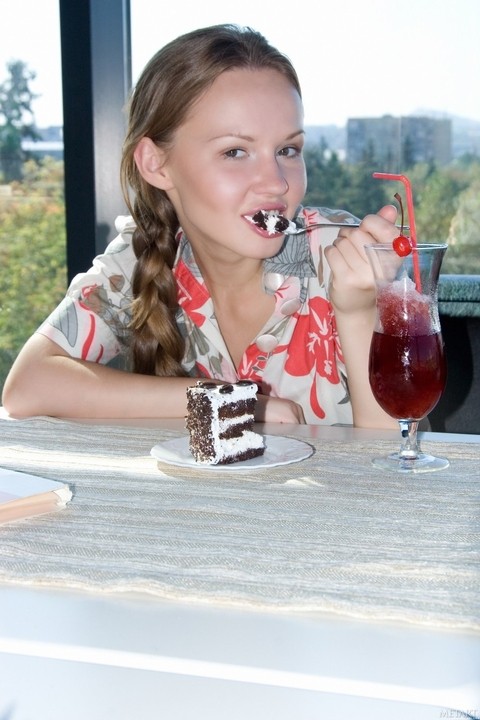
<point x="150" y="160"/>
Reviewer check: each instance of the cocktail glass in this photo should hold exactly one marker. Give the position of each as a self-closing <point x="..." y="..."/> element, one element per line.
<point x="407" y="367"/>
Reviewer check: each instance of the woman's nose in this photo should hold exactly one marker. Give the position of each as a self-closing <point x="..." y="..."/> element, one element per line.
<point x="271" y="178"/>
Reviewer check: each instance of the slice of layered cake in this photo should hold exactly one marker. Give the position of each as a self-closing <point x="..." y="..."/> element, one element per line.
<point x="220" y="422"/>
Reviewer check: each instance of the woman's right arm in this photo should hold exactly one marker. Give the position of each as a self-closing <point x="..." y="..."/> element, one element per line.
<point x="45" y="380"/>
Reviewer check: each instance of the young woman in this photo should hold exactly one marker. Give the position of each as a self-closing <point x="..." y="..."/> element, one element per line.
<point x="193" y="286"/>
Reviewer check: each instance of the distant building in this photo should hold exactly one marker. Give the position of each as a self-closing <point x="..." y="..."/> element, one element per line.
<point x="399" y="142"/>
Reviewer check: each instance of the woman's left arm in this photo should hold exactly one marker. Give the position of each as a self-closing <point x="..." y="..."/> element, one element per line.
<point x="352" y="294"/>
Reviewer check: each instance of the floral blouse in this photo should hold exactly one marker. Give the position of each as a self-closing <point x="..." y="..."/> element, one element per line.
<point x="296" y="355"/>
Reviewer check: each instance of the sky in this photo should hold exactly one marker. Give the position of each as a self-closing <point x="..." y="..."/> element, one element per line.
<point x="355" y="58"/>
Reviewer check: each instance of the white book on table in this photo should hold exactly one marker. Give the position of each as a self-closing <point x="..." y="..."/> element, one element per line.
<point x="23" y="495"/>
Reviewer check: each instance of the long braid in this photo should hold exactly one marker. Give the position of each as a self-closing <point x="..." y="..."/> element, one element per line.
<point x="157" y="346"/>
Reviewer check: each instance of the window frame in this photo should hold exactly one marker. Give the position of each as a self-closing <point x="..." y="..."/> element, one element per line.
<point x="96" y="81"/>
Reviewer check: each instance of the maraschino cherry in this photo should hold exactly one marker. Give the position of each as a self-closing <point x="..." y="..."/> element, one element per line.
<point x="402" y="244"/>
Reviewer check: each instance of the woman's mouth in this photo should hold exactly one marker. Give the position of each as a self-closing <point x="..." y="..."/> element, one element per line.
<point x="271" y="221"/>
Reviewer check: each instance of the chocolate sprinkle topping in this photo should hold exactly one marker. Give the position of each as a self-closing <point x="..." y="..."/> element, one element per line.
<point x="281" y="224"/>
<point x="259" y="219"/>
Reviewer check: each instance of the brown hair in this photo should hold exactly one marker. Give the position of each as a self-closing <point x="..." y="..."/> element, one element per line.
<point x="170" y="84"/>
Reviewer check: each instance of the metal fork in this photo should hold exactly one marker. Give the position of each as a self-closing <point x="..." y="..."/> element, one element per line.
<point x="314" y="226"/>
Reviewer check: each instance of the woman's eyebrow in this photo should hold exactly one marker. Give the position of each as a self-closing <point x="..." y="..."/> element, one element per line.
<point x="248" y="138"/>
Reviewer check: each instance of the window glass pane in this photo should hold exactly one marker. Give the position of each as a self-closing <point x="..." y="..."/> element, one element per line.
<point x="32" y="216"/>
<point x="386" y="86"/>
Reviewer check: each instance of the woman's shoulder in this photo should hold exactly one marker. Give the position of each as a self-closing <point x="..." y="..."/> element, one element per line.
<point x="125" y="227"/>
<point x="119" y="251"/>
<point x="113" y="268"/>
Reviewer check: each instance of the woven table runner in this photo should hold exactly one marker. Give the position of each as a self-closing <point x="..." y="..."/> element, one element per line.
<point x="327" y="534"/>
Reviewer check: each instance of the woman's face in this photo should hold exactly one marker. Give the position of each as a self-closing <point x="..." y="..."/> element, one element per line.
<point x="239" y="151"/>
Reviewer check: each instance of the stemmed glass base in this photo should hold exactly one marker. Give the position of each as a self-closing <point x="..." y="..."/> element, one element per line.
<point x="421" y="464"/>
<point x="410" y="458"/>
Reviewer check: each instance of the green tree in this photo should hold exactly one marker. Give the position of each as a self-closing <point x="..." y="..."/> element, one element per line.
<point x="408" y="160"/>
<point x="366" y="194"/>
<point x="16" y="119"/>
<point x="446" y="199"/>
<point x="32" y="256"/>
<point x="327" y="178"/>
<point x="464" y="235"/>
<point x="436" y="204"/>
<point x="333" y="184"/>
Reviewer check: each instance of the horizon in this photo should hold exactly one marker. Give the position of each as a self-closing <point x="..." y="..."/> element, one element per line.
<point x="432" y="114"/>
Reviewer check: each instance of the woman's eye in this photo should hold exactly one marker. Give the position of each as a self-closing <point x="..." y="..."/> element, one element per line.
<point x="234" y="153"/>
<point x="290" y="151"/>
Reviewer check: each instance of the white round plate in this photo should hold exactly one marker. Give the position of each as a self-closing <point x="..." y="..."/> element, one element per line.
<point x="278" y="451"/>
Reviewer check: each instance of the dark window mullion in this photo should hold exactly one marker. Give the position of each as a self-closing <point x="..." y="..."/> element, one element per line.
<point x="96" y="71"/>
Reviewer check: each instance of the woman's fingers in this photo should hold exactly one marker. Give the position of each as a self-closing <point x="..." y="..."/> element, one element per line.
<point x="351" y="282"/>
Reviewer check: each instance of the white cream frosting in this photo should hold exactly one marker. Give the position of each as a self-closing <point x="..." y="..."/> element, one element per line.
<point x="271" y="218"/>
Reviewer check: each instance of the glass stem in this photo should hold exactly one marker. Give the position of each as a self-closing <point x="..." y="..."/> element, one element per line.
<point x="410" y="448"/>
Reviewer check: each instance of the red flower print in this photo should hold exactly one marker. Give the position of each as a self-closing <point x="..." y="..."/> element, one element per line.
<point x="93" y="298"/>
<point x="202" y="370"/>
<point x="253" y="364"/>
<point x="314" y="347"/>
<point x="87" y="344"/>
<point x="191" y="293"/>
<point x="314" y="344"/>
<point x="310" y="216"/>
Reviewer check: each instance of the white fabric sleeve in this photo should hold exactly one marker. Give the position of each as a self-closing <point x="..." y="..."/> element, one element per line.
<point x="91" y="323"/>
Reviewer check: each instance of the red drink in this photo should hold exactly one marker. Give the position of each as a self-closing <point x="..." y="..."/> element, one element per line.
<point x="407" y="368"/>
<point x="407" y="373"/>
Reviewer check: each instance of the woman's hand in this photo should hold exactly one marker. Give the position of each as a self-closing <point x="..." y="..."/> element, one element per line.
<point x="352" y="294"/>
<point x="352" y="287"/>
<point x="273" y="409"/>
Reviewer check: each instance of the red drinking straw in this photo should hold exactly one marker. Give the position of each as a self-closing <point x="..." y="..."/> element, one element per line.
<point x="411" y="218"/>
